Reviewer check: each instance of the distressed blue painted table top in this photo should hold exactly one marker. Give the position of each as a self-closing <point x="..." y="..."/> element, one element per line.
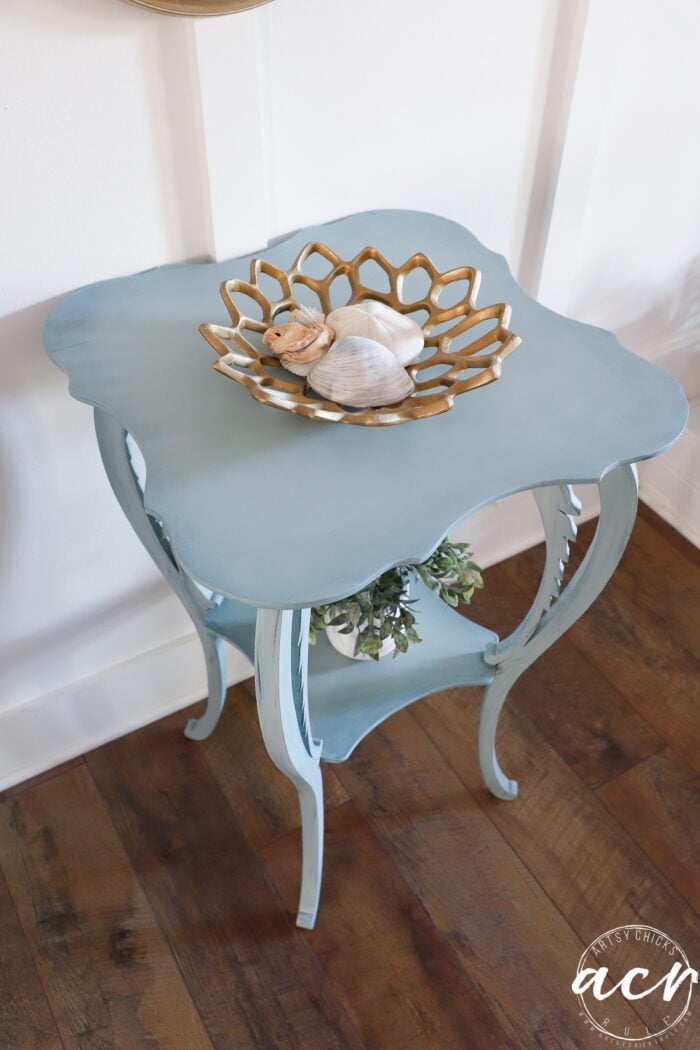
<point x="282" y="511"/>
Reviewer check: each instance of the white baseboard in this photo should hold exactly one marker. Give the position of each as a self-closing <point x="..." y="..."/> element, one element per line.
<point x="58" y="726"/>
<point x="671" y="483"/>
<point x="509" y="526"/>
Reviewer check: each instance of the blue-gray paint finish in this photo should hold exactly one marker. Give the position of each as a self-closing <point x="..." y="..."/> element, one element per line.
<point x="546" y="622"/>
<point x="114" y="449"/>
<point x="277" y="512"/>
<point x="281" y="511"/>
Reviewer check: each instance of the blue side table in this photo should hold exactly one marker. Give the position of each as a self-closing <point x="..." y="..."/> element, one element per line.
<point x="274" y="513"/>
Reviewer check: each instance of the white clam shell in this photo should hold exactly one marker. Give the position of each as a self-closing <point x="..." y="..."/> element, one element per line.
<point x="301" y="363"/>
<point x="299" y="368"/>
<point x="374" y="320"/>
<point x="361" y="373"/>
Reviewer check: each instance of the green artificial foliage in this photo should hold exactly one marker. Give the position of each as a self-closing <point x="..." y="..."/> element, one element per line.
<point x="384" y="608"/>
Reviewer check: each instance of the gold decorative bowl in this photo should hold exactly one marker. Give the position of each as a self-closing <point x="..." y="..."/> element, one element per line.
<point x="464" y="346"/>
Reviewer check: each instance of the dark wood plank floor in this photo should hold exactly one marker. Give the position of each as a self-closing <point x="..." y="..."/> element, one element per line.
<point x="147" y="890"/>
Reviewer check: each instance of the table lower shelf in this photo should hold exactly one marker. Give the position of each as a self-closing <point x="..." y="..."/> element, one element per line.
<point x="348" y="698"/>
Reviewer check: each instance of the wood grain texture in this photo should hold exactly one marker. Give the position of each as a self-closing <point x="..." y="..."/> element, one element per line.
<point x="103" y="961"/>
<point x="405" y="958"/>
<point x="227" y="928"/>
<point x="264" y="801"/>
<point x="668" y="537"/>
<point x="635" y="651"/>
<point x="658" y="803"/>
<point x="505" y="932"/>
<point x="41" y="778"/>
<point x="668" y="587"/>
<point x="448" y="918"/>
<point x="572" y="703"/>
<point x="587" y="864"/>
<point x="660" y="571"/>
<point x="26" y="1021"/>
<point x="606" y="873"/>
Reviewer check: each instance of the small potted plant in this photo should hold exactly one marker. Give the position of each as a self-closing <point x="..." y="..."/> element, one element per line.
<point x="379" y="619"/>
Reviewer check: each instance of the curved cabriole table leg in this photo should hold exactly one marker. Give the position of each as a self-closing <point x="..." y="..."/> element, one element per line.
<point x="112" y="441"/>
<point x="545" y="621"/>
<point x="281" y="688"/>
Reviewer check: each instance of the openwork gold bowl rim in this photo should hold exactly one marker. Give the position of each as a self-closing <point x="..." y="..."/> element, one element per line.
<point x="441" y="374"/>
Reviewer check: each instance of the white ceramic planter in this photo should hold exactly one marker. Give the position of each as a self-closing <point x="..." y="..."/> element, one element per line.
<point x="345" y="643"/>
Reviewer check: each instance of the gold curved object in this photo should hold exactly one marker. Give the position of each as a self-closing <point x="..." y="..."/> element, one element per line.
<point x="446" y="372"/>
<point x="198" y="7"/>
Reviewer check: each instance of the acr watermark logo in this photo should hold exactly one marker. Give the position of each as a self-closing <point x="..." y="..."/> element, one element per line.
<point x="634" y="985"/>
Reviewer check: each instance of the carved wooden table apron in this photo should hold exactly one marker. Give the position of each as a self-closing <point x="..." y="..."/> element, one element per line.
<point x="273" y="513"/>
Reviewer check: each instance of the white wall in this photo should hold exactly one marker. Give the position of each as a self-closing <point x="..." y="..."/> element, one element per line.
<point x="623" y="249"/>
<point x="130" y="139"/>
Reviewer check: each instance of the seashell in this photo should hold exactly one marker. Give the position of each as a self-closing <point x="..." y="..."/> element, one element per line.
<point x="361" y="373"/>
<point x="374" y="320"/>
<point x="288" y="338"/>
<point x="307" y="315"/>
<point x="298" y="345"/>
<point x="303" y="361"/>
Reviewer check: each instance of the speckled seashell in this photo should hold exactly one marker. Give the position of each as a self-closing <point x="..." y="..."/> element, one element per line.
<point x="298" y="345"/>
<point x="288" y="338"/>
<point x="374" y="320"/>
<point x="361" y="373"/>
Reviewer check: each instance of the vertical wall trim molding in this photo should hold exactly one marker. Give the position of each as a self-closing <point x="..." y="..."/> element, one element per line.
<point x="601" y="37"/>
<point x="228" y="83"/>
<point x="566" y="48"/>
